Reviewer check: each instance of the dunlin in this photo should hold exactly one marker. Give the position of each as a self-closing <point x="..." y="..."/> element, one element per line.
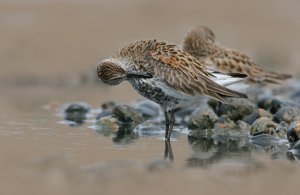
<point x="163" y="73"/>
<point x="200" y="43"/>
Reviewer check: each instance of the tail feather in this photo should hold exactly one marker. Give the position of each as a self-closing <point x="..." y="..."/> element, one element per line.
<point x="222" y="93"/>
<point x="226" y="79"/>
<point x="218" y="89"/>
<point x="276" y="78"/>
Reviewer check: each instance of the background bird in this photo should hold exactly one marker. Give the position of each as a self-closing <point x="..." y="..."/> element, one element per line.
<point x="200" y="43"/>
<point x="164" y="74"/>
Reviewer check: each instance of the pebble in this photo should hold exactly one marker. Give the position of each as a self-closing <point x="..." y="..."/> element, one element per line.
<point x="76" y="112"/>
<point x="271" y="104"/>
<point x="106" y="109"/>
<point x="257" y="114"/>
<point x="224" y="122"/>
<point x="77" y="118"/>
<point x="282" y="129"/>
<point x="104" y="113"/>
<point x="287" y="114"/>
<point x="293" y="132"/>
<point x="203" y="118"/>
<point x="213" y="103"/>
<point x="125" y="113"/>
<point x="148" y="108"/>
<point x="243" y="126"/>
<point x="107" y="125"/>
<point x="263" y="125"/>
<point x="237" y="108"/>
<point x="297" y="147"/>
<point x="80" y="107"/>
<point x="264" y="103"/>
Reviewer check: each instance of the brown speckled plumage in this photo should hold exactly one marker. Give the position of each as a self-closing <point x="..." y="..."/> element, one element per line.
<point x="178" y="69"/>
<point x="163" y="73"/>
<point x="200" y="43"/>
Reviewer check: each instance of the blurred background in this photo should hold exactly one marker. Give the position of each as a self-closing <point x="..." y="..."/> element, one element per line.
<point x="60" y="41"/>
<point x="49" y="51"/>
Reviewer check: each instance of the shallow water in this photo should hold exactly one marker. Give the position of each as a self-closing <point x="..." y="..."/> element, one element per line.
<point x="41" y="153"/>
<point x="49" y="51"/>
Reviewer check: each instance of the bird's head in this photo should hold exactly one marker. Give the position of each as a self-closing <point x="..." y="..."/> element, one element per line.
<point x="200" y="33"/>
<point x="198" y="41"/>
<point x="110" y="71"/>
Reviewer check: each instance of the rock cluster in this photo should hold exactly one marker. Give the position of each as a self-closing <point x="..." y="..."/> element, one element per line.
<point x="264" y="117"/>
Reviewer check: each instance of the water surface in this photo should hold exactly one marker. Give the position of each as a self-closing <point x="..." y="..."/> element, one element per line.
<point x="41" y="153"/>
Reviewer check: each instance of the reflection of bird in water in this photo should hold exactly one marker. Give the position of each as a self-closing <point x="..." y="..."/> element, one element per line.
<point x="200" y="43"/>
<point x="164" y="74"/>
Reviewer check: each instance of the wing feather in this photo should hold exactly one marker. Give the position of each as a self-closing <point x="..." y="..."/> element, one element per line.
<point x="200" y="42"/>
<point x="185" y="73"/>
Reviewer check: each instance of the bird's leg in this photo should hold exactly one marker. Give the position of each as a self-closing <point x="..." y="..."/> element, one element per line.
<point x="168" y="150"/>
<point x="167" y="122"/>
<point x="171" y="123"/>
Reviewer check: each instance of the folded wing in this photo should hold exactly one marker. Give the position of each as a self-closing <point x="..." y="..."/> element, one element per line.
<point x="186" y="74"/>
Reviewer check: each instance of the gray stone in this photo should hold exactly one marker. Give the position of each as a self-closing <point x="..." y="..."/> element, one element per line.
<point x="203" y="118"/>
<point x="148" y="108"/>
<point x="243" y="126"/>
<point x="104" y="113"/>
<point x="271" y="104"/>
<point x="282" y="129"/>
<point x="257" y="114"/>
<point x="76" y="117"/>
<point x="297" y="147"/>
<point x="76" y="112"/>
<point x="125" y="113"/>
<point x="276" y="105"/>
<point x="79" y="107"/>
<point x="213" y="103"/>
<point x="293" y="132"/>
<point x="263" y="125"/>
<point x="237" y="108"/>
<point x="264" y="102"/>
<point x="107" y="125"/>
<point x="224" y="122"/>
<point x="287" y="114"/>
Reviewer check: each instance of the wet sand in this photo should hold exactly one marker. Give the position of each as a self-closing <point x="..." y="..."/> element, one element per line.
<point x="41" y="155"/>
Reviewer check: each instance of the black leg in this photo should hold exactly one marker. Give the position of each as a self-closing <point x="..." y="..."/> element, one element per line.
<point x="171" y="123"/>
<point x="168" y="151"/>
<point x="167" y="122"/>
